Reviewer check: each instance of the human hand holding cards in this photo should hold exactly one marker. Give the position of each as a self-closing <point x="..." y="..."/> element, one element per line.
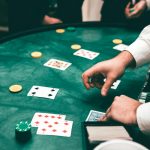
<point x="99" y="131"/>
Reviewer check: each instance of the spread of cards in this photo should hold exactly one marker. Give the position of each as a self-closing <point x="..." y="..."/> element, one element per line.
<point x="56" y="124"/>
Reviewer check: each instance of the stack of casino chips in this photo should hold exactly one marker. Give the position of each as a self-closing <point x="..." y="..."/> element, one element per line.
<point x="23" y="131"/>
<point x="145" y="93"/>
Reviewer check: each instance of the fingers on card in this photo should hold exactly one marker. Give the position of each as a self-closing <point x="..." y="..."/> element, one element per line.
<point x="45" y="118"/>
<point x="94" y="115"/>
<point x="86" y="54"/>
<point x="56" y="127"/>
<point x="120" y="47"/>
<point x="57" y="64"/>
<point x="44" y="92"/>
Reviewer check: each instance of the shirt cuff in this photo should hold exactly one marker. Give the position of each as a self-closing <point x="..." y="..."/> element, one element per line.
<point x="143" y="118"/>
<point x="139" y="49"/>
<point x="148" y="4"/>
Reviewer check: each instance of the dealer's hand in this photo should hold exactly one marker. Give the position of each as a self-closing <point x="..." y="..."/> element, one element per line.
<point x="123" y="110"/>
<point x="110" y="69"/>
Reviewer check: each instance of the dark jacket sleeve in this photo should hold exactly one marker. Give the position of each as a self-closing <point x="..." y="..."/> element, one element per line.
<point x="26" y="14"/>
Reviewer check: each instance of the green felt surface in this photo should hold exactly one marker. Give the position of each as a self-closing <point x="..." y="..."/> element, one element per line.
<point x="73" y="100"/>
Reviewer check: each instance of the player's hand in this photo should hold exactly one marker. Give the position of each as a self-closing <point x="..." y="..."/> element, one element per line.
<point x="123" y="110"/>
<point x="110" y="69"/>
<point x="50" y="20"/>
<point x="138" y="9"/>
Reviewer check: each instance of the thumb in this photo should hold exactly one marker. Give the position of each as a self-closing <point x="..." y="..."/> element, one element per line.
<point x="128" y="5"/>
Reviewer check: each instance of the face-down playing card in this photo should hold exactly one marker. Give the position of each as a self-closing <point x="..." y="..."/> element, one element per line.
<point x="94" y="115"/>
<point x="45" y="92"/>
<point x="57" y="64"/>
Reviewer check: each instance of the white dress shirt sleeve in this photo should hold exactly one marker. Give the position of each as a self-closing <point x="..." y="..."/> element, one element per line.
<point x="140" y="49"/>
<point x="148" y="4"/>
<point x="143" y="118"/>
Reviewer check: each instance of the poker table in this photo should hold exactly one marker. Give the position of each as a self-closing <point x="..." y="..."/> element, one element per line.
<point x="73" y="100"/>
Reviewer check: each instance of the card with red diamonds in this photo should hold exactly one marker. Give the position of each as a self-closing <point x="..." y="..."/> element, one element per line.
<point x="45" y="118"/>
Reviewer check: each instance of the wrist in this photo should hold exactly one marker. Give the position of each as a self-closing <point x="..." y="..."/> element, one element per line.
<point x="126" y="59"/>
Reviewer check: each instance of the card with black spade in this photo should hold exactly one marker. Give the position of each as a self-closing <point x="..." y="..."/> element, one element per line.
<point x="41" y="91"/>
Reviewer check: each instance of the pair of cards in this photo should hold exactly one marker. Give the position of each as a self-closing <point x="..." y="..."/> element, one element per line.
<point x="94" y="115"/>
<point x="52" y="124"/>
<point x="44" y="92"/>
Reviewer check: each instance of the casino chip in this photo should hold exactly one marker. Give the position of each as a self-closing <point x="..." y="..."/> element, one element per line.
<point x="76" y="46"/>
<point x="71" y="29"/>
<point x="117" y="41"/>
<point x="131" y="10"/>
<point x="23" y="131"/>
<point x="98" y="80"/>
<point x="60" y="30"/>
<point x="36" y="54"/>
<point x="15" y="88"/>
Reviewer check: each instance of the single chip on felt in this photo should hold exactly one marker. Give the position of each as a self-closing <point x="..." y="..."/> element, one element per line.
<point x="76" y="46"/>
<point x="15" y="88"/>
<point x="23" y="131"/>
<point x="131" y="10"/>
<point x="117" y="41"/>
<point x="71" y="29"/>
<point x="36" y="54"/>
<point x="60" y="30"/>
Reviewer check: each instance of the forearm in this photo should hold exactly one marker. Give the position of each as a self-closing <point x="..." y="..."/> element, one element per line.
<point x="126" y="59"/>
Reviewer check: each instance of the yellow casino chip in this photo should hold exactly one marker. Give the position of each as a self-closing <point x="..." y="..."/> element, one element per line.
<point x="36" y="54"/>
<point x="60" y="30"/>
<point x="76" y="46"/>
<point x="117" y="41"/>
<point x="15" y="88"/>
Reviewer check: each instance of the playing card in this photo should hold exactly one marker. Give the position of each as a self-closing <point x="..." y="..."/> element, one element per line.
<point x="41" y="91"/>
<point x="45" y="118"/>
<point x="115" y="84"/>
<point x="120" y="47"/>
<point x="55" y="127"/>
<point x="94" y="115"/>
<point x="86" y="54"/>
<point x="57" y="64"/>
